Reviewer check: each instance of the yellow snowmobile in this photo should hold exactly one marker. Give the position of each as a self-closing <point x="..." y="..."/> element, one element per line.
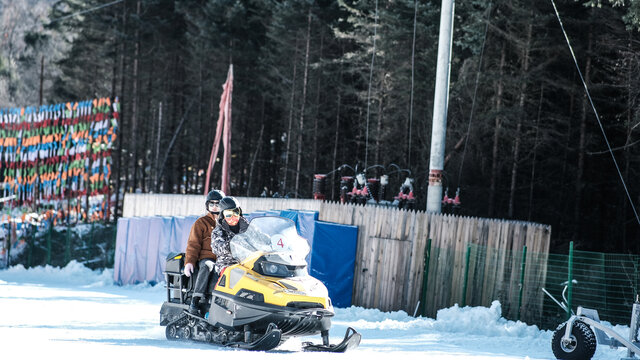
<point x="261" y="301"/>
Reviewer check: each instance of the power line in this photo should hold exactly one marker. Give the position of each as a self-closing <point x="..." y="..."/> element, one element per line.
<point x="373" y="57"/>
<point x="29" y="27"/>
<point x="85" y="11"/>
<point x="413" y="53"/>
<point x="475" y="91"/>
<point x="586" y="89"/>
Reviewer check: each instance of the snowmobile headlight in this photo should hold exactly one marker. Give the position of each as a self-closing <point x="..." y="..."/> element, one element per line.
<point x="269" y="268"/>
<point x="273" y="269"/>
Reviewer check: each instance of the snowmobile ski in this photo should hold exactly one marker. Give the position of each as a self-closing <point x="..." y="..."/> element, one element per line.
<point x="351" y="341"/>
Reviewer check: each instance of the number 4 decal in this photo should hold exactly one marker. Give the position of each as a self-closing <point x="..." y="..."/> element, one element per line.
<point x="280" y="243"/>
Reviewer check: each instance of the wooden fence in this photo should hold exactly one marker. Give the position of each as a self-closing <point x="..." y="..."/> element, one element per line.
<point x="391" y="257"/>
<point x="391" y="253"/>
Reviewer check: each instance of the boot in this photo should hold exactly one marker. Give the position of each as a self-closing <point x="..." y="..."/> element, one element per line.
<point x="193" y="307"/>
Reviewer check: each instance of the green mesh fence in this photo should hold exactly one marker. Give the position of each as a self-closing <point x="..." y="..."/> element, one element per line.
<point x="605" y="282"/>
<point x="90" y="244"/>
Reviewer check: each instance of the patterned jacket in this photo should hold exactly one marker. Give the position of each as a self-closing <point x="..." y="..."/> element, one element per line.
<point x="220" y="238"/>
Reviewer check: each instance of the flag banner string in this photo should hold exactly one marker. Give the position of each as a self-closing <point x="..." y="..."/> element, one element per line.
<point x="53" y="153"/>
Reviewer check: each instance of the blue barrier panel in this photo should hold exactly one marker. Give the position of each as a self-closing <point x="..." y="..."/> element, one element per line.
<point x="164" y="243"/>
<point x="157" y="235"/>
<point x="143" y="243"/>
<point x="135" y="255"/>
<point x="333" y="258"/>
<point x="180" y="229"/>
<point x="290" y="214"/>
<point x="306" y="223"/>
<point x="254" y="215"/>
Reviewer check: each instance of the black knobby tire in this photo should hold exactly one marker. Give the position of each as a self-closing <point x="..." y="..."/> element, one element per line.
<point x="581" y="347"/>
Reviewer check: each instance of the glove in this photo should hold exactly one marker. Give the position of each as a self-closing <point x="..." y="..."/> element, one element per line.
<point x="188" y="269"/>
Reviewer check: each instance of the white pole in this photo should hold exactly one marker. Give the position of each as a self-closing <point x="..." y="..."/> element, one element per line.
<point x="440" y="102"/>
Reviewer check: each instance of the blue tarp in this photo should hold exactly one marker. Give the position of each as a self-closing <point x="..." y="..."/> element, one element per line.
<point x="333" y="257"/>
<point x="143" y="243"/>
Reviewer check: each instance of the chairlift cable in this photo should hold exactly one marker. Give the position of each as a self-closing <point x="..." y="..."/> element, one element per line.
<point x="413" y="52"/>
<point x="604" y="134"/>
<point x="85" y="11"/>
<point x="475" y="92"/>
<point x="373" y="57"/>
<point x="32" y="26"/>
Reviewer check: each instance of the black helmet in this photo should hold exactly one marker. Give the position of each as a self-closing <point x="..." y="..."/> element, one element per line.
<point x="213" y="195"/>
<point x="229" y="203"/>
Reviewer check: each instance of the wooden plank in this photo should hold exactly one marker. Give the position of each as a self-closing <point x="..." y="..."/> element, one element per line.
<point x="389" y="219"/>
<point x="446" y="264"/>
<point x="363" y="273"/>
<point x="369" y="269"/>
<point x="411" y="234"/>
<point x="514" y="258"/>
<point x="500" y="264"/>
<point x="418" y="264"/>
<point x="384" y="281"/>
<point x="417" y="261"/>
<point x="364" y="277"/>
<point x="431" y="308"/>
<point x="535" y="276"/>
<point x="495" y="231"/>
<point x="380" y="273"/>
<point x="399" y="276"/>
<point x="402" y="302"/>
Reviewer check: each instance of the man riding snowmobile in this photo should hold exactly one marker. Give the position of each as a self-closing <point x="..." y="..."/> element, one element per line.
<point x="199" y="250"/>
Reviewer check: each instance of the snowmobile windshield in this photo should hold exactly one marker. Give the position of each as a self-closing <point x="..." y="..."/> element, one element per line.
<point x="271" y="235"/>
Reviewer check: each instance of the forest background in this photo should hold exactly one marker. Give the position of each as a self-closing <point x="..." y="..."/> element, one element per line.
<point x="310" y="94"/>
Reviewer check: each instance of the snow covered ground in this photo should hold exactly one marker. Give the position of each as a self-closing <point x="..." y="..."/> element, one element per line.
<point x="77" y="313"/>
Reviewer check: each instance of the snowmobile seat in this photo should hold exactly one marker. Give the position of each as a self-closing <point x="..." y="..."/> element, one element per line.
<point x="179" y="286"/>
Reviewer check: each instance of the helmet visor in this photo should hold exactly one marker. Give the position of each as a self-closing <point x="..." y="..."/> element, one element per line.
<point x="213" y="206"/>
<point x="231" y="213"/>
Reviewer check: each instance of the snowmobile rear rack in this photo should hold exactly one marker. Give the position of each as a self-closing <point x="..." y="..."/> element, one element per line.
<point x="351" y="341"/>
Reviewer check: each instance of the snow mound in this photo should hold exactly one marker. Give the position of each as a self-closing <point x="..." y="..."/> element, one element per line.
<point x="468" y="320"/>
<point x="73" y="273"/>
<point x="482" y="321"/>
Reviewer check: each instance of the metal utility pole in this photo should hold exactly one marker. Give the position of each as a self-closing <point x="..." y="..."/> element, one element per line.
<point x="440" y="102"/>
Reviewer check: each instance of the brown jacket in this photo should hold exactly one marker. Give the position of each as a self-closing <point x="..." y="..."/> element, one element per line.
<point x="199" y="243"/>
